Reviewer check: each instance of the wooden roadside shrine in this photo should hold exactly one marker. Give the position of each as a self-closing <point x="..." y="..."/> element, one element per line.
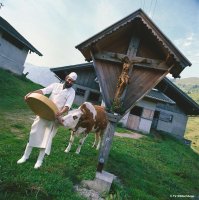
<point x="130" y="58"/>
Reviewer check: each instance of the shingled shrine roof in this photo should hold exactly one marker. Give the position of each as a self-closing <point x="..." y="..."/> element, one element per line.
<point x="145" y="26"/>
<point x="7" y="28"/>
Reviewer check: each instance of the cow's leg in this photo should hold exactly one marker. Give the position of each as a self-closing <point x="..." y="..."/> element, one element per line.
<point x="100" y="134"/>
<point x="72" y="136"/>
<point x="81" y="142"/>
<point x="96" y="139"/>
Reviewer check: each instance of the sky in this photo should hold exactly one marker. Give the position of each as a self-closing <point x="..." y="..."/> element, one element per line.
<point x="55" y="27"/>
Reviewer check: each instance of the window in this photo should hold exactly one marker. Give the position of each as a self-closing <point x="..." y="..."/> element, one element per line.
<point x="94" y="97"/>
<point x="136" y="111"/>
<point x="165" y="117"/>
<point x="147" y="114"/>
<point x="80" y="92"/>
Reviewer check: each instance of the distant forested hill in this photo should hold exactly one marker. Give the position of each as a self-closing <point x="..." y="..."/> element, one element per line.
<point x="189" y="86"/>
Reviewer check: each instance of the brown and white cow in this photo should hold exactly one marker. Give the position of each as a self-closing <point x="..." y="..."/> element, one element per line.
<point x="81" y="121"/>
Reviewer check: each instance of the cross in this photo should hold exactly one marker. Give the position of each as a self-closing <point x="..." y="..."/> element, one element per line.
<point x="129" y="61"/>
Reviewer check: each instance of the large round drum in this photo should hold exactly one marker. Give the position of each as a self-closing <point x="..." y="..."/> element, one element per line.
<point x="42" y="106"/>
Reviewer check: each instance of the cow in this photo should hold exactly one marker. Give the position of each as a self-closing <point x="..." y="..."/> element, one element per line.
<point x="81" y="121"/>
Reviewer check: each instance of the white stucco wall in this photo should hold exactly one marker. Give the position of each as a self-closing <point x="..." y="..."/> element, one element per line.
<point x="176" y="127"/>
<point x="147" y="104"/>
<point x="11" y="57"/>
<point x="145" y="125"/>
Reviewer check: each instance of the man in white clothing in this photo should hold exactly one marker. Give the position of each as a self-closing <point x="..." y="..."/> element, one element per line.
<point x="42" y="130"/>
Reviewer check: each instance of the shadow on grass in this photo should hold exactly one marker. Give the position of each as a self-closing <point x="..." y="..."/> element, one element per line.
<point x="17" y="189"/>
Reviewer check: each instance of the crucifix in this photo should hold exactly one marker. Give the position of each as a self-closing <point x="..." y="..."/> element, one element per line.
<point x="130" y="58"/>
<point x="115" y="107"/>
<point x="123" y="81"/>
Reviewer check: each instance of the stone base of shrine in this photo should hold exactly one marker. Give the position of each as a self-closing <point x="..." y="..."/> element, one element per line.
<point x="101" y="183"/>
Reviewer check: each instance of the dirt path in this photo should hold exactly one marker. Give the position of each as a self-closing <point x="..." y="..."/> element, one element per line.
<point x="129" y="135"/>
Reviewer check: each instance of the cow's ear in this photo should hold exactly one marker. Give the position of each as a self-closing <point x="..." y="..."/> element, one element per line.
<point x="75" y="117"/>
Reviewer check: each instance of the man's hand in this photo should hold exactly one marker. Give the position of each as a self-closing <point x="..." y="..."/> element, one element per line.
<point x="62" y="111"/>
<point x="36" y="91"/>
<point x="25" y="98"/>
<point x="58" y="114"/>
<point x="59" y="119"/>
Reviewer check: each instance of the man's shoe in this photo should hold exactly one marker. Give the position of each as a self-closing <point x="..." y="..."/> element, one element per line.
<point x="22" y="160"/>
<point x="38" y="164"/>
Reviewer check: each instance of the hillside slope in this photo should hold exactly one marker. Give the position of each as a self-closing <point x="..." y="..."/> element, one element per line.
<point x="155" y="167"/>
<point x="189" y="86"/>
<point x="13" y="88"/>
<point x="40" y="75"/>
<point x="188" y="81"/>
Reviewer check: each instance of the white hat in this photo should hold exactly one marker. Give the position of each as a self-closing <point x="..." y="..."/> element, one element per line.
<point x="73" y="75"/>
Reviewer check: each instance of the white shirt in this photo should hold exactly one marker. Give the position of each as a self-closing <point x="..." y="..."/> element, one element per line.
<point x="61" y="97"/>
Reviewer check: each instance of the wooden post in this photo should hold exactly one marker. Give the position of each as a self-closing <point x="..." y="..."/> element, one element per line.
<point x="107" y="140"/>
<point x="132" y="51"/>
<point x="86" y="95"/>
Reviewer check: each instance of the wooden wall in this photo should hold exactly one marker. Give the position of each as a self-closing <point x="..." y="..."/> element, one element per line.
<point x="87" y="78"/>
<point x="176" y="126"/>
<point x="107" y="71"/>
<point x="142" y="123"/>
<point x="11" y="57"/>
<point x="141" y="81"/>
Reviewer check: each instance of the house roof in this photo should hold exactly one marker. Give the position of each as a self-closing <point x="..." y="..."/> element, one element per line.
<point x="142" y="19"/>
<point x="7" y="28"/>
<point x="159" y="96"/>
<point x="168" y="91"/>
<point x="186" y="103"/>
<point x="77" y="66"/>
<point x="62" y="71"/>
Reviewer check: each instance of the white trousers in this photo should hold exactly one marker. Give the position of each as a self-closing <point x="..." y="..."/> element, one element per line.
<point x="42" y="133"/>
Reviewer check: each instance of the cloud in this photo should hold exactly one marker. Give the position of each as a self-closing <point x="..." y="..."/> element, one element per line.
<point x="189" y="46"/>
<point x="188" y="42"/>
<point x="106" y="14"/>
<point x="185" y="42"/>
<point x="56" y="27"/>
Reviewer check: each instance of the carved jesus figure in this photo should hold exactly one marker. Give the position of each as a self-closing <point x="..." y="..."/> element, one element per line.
<point x="123" y="79"/>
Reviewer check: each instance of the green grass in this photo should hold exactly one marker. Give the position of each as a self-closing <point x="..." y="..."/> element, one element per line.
<point x="148" y="168"/>
<point x="13" y="88"/>
<point x="192" y="132"/>
<point x="191" y="87"/>
<point x="54" y="180"/>
<point x="121" y="129"/>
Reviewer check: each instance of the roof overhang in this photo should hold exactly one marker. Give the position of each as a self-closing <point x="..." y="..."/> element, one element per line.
<point x="186" y="103"/>
<point x="7" y="28"/>
<point x="141" y="19"/>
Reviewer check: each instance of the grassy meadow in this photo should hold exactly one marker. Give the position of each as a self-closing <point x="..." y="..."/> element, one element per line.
<point x="151" y="168"/>
<point x="191" y="87"/>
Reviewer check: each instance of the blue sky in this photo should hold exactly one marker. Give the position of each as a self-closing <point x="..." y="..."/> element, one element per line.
<point x="56" y="27"/>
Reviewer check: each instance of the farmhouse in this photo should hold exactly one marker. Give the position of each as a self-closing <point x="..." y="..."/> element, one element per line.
<point x="165" y="108"/>
<point x="13" y="48"/>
